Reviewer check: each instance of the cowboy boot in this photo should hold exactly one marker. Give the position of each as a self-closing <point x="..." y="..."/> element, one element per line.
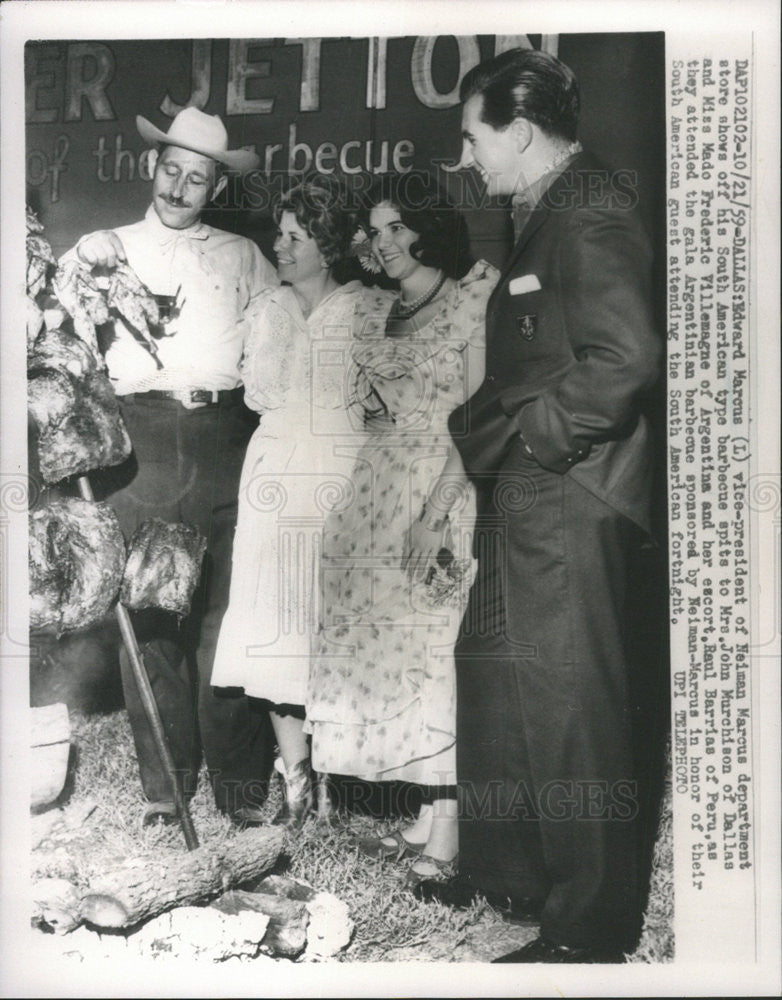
<point x="324" y="807"/>
<point x="299" y="794"/>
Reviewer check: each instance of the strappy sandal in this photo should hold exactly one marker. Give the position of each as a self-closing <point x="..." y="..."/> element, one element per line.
<point x="374" y="847"/>
<point x="444" y="871"/>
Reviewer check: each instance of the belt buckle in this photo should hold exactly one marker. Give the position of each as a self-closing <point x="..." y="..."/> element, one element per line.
<point x="204" y="396"/>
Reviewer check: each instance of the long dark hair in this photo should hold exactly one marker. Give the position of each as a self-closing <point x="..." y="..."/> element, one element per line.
<point x="443" y="240"/>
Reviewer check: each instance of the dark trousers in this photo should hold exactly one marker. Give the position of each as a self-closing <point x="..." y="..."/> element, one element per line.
<point x="186" y="466"/>
<point x="548" y="799"/>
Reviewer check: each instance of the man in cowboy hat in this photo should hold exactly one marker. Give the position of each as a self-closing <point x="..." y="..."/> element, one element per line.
<point x="185" y="415"/>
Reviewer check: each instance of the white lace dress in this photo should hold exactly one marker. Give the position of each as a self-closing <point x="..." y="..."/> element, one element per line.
<point x="297" y="468"/>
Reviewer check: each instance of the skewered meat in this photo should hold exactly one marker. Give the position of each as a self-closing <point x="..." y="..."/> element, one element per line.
<point x="74" y="408"/>
<point x="77" y="290"/>
<point x="34" y="321"/>
<point x="89" y="435"/>
<point x="133" y="300"/>
<point x="39" y="259"/>
<point x="64" y="352"/>
<point x="51" y="396"/>
<point x="76" y="558"/>
<point x="34" y="224"/>
<point x="39" y="256"/>
<point x="163" y="566"/>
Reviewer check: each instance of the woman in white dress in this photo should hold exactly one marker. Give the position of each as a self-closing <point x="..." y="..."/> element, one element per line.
<point x="293" y="371"/>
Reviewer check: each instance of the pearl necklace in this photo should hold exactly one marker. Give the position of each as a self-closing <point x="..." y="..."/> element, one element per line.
<point x="402" y="310"/>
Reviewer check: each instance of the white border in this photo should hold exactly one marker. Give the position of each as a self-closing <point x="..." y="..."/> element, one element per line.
<point x="291" y="18"/>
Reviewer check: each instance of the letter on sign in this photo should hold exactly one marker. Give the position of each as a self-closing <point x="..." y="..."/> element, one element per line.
<point x="548" y="43"/>
<point x="376" y="72"/>
<point x="201" y="71"/>
<point x="77" y="88"/>
<point x="421" y="69"/>
<point x="240" y="70"/>
<point x="309" y="99"/>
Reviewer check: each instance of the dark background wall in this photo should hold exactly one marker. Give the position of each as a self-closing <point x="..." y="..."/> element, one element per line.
<point x="82" y="99"/>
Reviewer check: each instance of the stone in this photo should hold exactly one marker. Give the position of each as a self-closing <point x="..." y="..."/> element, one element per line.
<point x="203" y="933"/>
<point x="330" y="927"/>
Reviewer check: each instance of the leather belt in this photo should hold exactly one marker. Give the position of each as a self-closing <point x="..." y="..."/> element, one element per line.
<point x="209" y="396"/>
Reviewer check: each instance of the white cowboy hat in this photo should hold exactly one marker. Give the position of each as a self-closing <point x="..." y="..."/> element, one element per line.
<point x="192" y="129"/>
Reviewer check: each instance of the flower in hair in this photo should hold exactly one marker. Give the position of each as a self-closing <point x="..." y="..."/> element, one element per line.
<point x="361" y="247"/>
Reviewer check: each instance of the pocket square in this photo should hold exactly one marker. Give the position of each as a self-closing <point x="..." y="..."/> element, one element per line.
<point x="524" y="283"/>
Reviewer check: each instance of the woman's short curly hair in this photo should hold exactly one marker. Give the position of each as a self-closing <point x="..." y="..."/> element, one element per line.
<point x="443" y="240"/>
<point x="319" y="204"/>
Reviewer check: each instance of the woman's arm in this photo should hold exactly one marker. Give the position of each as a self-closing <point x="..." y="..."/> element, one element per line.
<point x="425" y="536"/>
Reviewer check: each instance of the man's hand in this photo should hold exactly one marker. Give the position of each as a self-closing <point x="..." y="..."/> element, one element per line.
<point x="101" y="249"/>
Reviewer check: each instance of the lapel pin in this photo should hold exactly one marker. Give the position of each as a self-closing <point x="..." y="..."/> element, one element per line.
<point x="527" y="326"/>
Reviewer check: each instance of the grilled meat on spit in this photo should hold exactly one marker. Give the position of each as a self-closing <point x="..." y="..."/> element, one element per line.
<point x="131" y="298"/>
<point x="163" y="566"/>
<point x="74" y="407"/>
<point x="76" y="556"/>
<point x="78" y="292"/>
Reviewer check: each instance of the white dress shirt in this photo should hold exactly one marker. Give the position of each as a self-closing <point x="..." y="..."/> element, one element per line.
<point x="219" y="276"/>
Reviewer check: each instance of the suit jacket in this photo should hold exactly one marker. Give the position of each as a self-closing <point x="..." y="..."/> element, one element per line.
<point x="567" y="363"/>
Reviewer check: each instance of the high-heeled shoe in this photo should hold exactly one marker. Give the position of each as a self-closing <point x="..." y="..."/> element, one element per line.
<point x="298" y="784"/>
<point x="373" y="847"/>
<point x="443" y="871"/>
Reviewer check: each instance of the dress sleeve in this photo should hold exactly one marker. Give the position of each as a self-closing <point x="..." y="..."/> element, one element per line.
<point x="476" y="288"/>
<point x="268" y="355"/>
<point x="260" y="274"/>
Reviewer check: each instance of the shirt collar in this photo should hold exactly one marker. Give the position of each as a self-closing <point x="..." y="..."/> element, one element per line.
<point x="164" y="234"/>
<point x="283" y="295"/>
<point x="524" y="201"/>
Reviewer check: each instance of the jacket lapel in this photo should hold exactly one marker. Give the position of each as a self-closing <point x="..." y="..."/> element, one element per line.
<point x="539" y="214"/>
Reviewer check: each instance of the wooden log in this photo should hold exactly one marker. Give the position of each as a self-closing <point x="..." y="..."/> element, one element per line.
<point x="128" y="895"/>
<point x="56" y="905"/>
<point x="286" y="933"/>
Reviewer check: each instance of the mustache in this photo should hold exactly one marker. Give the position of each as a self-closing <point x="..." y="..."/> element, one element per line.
<point x="176" y="201"/>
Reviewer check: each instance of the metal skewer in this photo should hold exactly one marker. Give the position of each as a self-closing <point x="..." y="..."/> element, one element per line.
<point x="148" y="702"/>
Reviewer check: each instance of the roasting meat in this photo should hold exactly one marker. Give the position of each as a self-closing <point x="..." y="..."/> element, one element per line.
<point x="74" y="407"/>
<point x="34" y="224"/>
<point x="39" y="255"/>
<point x="135" y="303"/>
<point x="76" y="558"/>
<point x="163" y="566"/>
<point x="87" y="435"/>
<point x="39" y="259"/>
<point x="64" y="352"/>
<point x="35" y="320"/>
<point x="79" y="294"/>
<point x="51" y="396"/>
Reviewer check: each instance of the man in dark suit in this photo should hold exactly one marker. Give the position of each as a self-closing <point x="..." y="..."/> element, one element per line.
<point x="560" y="455"/>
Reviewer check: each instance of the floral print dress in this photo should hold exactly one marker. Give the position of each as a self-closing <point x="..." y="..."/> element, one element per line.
<point x="381" y="694"/>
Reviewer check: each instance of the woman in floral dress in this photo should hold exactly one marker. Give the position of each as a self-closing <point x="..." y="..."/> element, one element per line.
<point x="293" y="472"/>
<point x="396" y="564"/>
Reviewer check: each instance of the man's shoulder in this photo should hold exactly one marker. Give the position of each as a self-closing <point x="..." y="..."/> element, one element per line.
<point x="225" y="238"/>
<point x="589" y="186"/>
<point x="131" y="229"/>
